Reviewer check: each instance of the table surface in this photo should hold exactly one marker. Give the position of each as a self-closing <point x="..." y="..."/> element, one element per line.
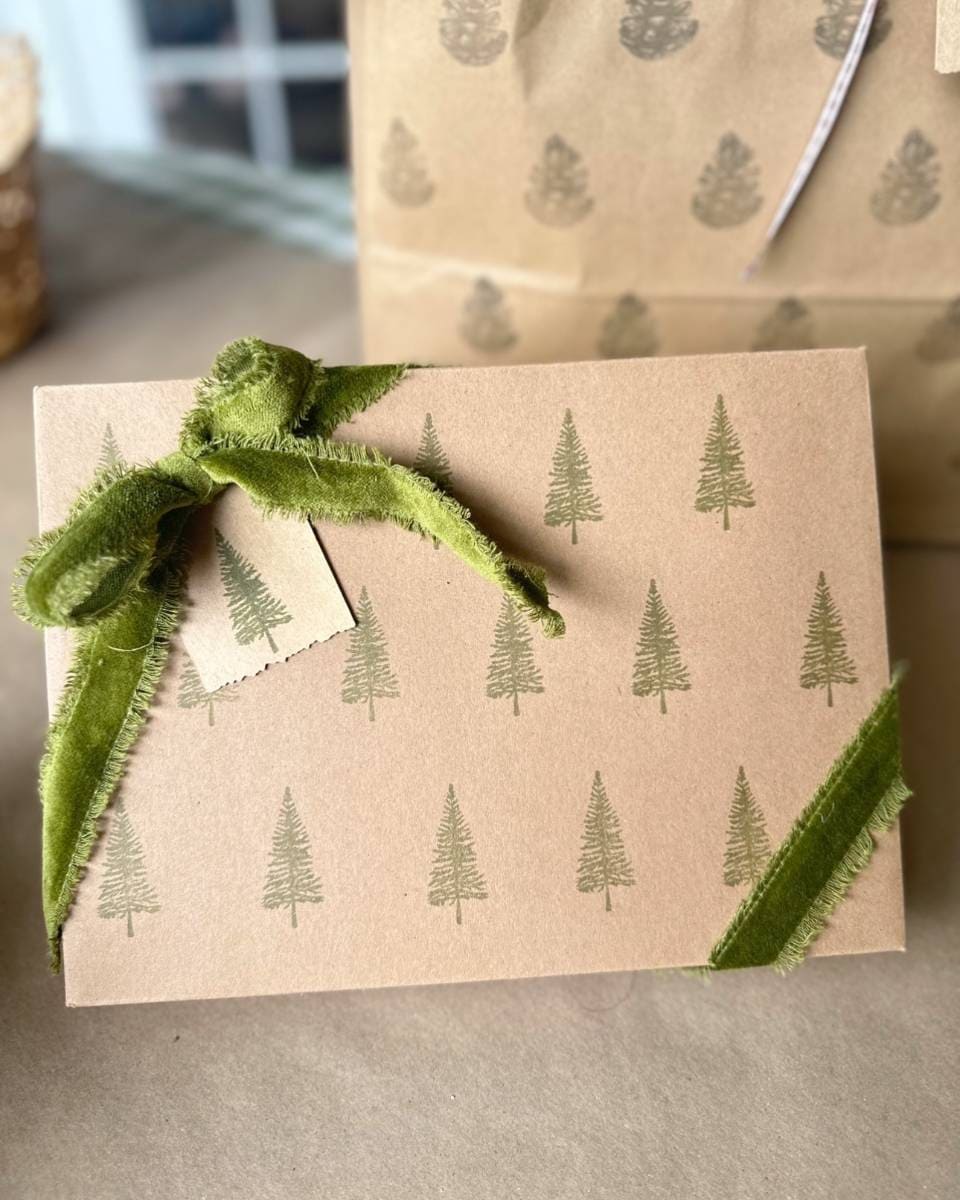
<point x="838" y="1081"/>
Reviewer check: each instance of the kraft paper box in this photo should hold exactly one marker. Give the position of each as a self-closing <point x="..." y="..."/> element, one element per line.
<point x="540" y="180"/>
<point x="297" y="838"/>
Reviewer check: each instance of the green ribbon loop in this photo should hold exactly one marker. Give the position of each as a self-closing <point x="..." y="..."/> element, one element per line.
<point x="115" y="569"/>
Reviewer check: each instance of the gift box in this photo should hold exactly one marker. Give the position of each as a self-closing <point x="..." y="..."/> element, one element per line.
<point x="590" y="221"/>
<point x="693" y="774"/>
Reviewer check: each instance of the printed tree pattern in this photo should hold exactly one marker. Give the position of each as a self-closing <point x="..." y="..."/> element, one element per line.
<point x="571" y="499"/>
<point x="192" y="694"/>
<point x="788" y="327"/>
<point x="559" y="185"/>
<point x="470" y="30"/>
<point x="486" y="323"/>
<point x="941" y="342"/>
<point x="748" y="848"/>
<point x="432" y="461"/>
<point x="402" y="174"/>
<point x="834" y="30"/>
<point x="125" y="889"/>
<point x="657" y="666"/>
<point x="825" y="658"/>
<point x="455" y="876"/>
<point x="603" y="860"/>
<point x="655" y="28"/>
<point x="367" y="675"/>
<point x="110" y="456"/>
<point x="254" y="612"/>
<point x="723" y="480"/>
<point x="512" y="671"/>
<point x="908" y="185"/>
<point x="290" y="875"/>
<point x="629" y="331"/>
<point x="728" y="186"/>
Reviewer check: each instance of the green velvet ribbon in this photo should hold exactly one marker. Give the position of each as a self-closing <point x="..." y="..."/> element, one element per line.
<point x="115" y="569"/>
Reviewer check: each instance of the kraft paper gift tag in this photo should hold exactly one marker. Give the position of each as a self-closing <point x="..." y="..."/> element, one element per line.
<point x="442" y="794"/>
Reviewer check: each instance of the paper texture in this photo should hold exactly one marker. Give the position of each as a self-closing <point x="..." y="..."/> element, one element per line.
<point x="359" y="779"/>
<point x="18" y="100"/>
<point x="948" y="36"/>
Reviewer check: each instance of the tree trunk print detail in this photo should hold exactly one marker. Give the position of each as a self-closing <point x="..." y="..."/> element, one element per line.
<point x="367" y="675"/>
<point x="656" y="28"/>
<point x="629" y="331"/>
<point x="455" y="876"/>
<point x="825" y="658"/>
<point x="723" y="480"/>
<point x="748" y="848"/>
<point x="485" y="323"/>
<point x="788" y="327"/>
<point x="834" y="30"/>
<point x="941" y="342"/>
<point x="470" y="31"/>
<point x="254" y="612"/>
<point x="432" y="461"/>
<point x="571" y="499"/>
<point x="908" y="186"/>
<point x="559" y="184"/>
<point x="512" y="671"/>
<point x="110" y="457"/>
<point x="290" y="875"/>
<point x="402" y="174"/>
<point x="529" y="15"/>
<point x="125" y="889"/>
<point x="657" y="665"/>
<point x="603" y="860"/>
<point x="192" y="694"/>
<point x="727" y="192"/>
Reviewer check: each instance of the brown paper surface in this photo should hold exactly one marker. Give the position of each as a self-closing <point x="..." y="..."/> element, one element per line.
<point x="204" y="799"/>
<point x="948" y="36"/>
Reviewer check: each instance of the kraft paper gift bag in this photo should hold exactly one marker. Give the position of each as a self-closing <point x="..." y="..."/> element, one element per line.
<point x="440" y="793"/>
<point x="541" y="180"/>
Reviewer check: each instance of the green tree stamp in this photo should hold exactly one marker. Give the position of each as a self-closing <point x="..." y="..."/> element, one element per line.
<point x="254" y="612"/>
<point x="110" y="457"/>
<point x="748" y="848"/>
<point x="907" y="191"/>
<point x="825" y="658"/>
<point x="653" y="29"/>
<point x="512" y="671"/>
<point x="367" y="675"/>
<point x="571" y="499"/>
<point x="125" y="889"/>
<point x="455" y="876"/>
<point x="290" y="876"/>
<point x="834" y="29"/>
<point x="629" y="331"/>
<point x="192" y="694"/>
<point x="657" y="665"/>
<point x="485" y="322"/>
<point x="603" y="860"/>
<point x="403" y="176"/>
<point x="723" y="480"/>
<point x="559" y="186"/>
<point x="432" y="461"/>
<point x="728" y="187"/>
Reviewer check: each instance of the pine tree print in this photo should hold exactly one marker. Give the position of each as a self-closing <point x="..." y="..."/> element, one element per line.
<point x="486" y="324"/>
<point x="402" y="174"/>
<point x="367" y="675"/>
<point x="788" y="327"/>
<point x="254" y="612"/>
<point x="192" y="694"/>
<point x="571" y="499"/>
<point x="941" y="342"/>
<point x="748" y="849"/>
<point x="629" y="331"/>
<point x="723" y="480"/>
<point x="125" y="889"/>
<point x="657" y="665"/>
<point x="825" y="658"/>
<point x="834" y="30"/>
<point x="727" y="188"/>
<point x="110" y="456"/>
<point x="908" y="185"/>
<point x="290" y="875"/>
<point x="512" y="671"/>
<point x="470" y="31"/>
<point x="655" y="28"/>
<point x="455" y="876"/>
<point x="603" y="860"/>
<point x="432" y="461"/>
<point x="558" y="193"/>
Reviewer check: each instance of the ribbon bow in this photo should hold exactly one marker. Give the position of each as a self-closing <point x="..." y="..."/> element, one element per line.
<point x="116" y="568"/>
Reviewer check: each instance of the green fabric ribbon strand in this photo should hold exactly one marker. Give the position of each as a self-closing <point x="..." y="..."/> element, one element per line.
<point x="116" y="568"/>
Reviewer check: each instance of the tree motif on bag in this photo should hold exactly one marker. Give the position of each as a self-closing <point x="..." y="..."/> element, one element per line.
<point x="254" y="611"/>
<point x="290" y="876"/>
<point x="125" y="889"/>
<point x="402" y="174"/>
<point x="834" y="30"/>
<point x="485" y="323"/>
<point x="788" y="327"/>
<point x="825" y="658"/>
<point x="723" y="479"/>
<point x="192" y="694"/>
<point x="657" y="665"/>
<point x="728" y="186"/>
<point x="908" y="185"/>
<point x="629" y="331"/>
<point x="432" y="461"/>
<point x="657" y="28"/>
<point x="367" y="675"/>
<point x="941" y="341"/>
<point x="559" y="183"/>
<point x="512" y="671"/>
<point x="571" y="499"/>
<point x="455" y="876"/>
<point x="748" y="847"/>
<point x="604" y="863"/>
<point x="110" y="457"/>
<point x="470" y="31"/>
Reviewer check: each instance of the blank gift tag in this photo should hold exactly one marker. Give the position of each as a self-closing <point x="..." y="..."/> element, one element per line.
<point x="260" y="589"/>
